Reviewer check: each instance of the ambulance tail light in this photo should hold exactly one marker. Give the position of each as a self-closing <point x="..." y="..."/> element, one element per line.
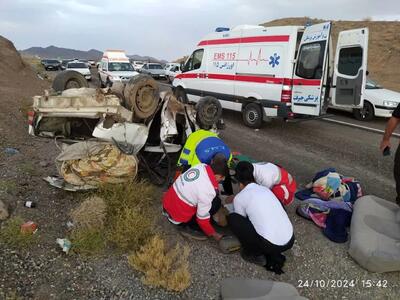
<point x="286" y="95"/>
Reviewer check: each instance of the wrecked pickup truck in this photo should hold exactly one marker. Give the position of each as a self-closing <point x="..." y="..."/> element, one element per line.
<point x="135" y="117"/>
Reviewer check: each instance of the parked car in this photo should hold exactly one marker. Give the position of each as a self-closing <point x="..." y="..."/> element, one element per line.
<point x="170" y="65"/>
<point x="172" y="71"/>
<point x="155" y="70"/>
<point x="378" y="102"/>
<point x="137" y="65"/>
<point x="80" y="67"/>
<point x="51" y="64"/>
<point x="64" y="63"/>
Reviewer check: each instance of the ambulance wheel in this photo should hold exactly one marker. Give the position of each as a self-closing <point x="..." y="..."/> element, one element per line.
<point x="180" y="95"/>
<point x="68" y="80"/>
<point x="252" y="115"/>
<point x="366" y="113"/>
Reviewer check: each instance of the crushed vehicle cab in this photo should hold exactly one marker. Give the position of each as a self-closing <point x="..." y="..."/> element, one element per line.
<point x="136" y="117"/>
<point x="279" y="71"/>
<point x="115" y="67"/>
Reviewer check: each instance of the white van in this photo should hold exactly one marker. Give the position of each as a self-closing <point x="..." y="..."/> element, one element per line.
<point x="115" y="66"/>
<point x="277" y="71"/>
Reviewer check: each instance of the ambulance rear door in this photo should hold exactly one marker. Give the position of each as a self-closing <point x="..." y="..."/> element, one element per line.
<point x="349" y="75"/>
<point x="311" y="64"/>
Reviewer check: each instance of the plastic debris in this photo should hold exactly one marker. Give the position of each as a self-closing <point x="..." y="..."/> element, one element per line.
<point x="70" y="224"/>
<point x="29" y="227"/>
<point x="11" y="151"/>
<point x="30" y="204"/>
<point x="65" y="244"/>
<point x="60" y="183"/>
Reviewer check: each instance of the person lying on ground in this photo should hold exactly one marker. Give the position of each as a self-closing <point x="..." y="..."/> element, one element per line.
<point x="275" y="178"/>
<point x="260" y="222"/>
<point x="192" y="199"/>
<point x="200" y="147"/>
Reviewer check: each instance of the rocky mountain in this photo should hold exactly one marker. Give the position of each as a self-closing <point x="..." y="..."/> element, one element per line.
<point x="62" y="53"/>
<point x="65" y="53"/>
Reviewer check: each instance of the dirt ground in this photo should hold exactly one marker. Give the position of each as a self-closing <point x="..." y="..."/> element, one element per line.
<point x="44" y="272"/>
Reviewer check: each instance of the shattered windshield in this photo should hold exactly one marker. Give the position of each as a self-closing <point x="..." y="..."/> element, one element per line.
<point x="119" y="66"/>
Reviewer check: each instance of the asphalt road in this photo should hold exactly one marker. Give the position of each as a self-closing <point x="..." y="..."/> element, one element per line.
<point x="307" y="147"/>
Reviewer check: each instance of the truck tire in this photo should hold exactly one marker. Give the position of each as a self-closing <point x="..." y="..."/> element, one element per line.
<point x="208" y="111"/>
<point x="252" y="115"/>
<point x="367" y="113"/>
<point x="67" y="80"/>
<point x="142" y="96"/>
<point x="180" y="95"/>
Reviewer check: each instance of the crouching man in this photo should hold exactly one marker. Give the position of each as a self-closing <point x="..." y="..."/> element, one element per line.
<point x="200" y="147"/>
<point x="192" y="200"/>
<point x="275" y="178"/>
<point x="260" y="222"/>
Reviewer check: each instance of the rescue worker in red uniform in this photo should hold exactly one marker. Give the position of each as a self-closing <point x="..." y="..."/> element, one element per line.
<point x="192" y="200"/>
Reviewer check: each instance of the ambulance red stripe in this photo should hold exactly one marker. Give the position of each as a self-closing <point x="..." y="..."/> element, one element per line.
<point x="245" y="40"/>
<point x="250" y="78"/>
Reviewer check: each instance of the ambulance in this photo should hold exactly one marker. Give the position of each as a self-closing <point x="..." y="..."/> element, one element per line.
<point x="115" y="67"/>
<point x="282" y="71"/>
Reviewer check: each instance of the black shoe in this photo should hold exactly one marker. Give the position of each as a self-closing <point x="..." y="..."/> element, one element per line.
<point x="275" y="263"/>
<point x="259" y="260"/>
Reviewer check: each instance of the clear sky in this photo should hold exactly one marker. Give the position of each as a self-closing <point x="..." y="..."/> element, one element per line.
<point x="161" y="28"/>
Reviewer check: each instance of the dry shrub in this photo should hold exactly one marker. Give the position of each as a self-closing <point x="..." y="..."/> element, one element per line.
<point x="129" y="215"/>
<point x="133" y="194"/>
<point x="87" y="242"/>
<point x="130" y="228"/>
<point x="90" y="214"/>
<point x="162" y="267"/>
<point x="10" y="234"/>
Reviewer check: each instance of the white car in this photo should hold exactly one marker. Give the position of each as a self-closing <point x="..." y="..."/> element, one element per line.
<point x="80" y="67"/>
<point x="137" y="65"/>
<point x="378" y="102"/>
<point x="172" y="71"/>
<point x="155" y="70"/>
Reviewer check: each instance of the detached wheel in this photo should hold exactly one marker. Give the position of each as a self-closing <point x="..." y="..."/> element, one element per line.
<point x="69" y="80"/>
<point x="142" y="96"/>
<point x="252" y="115"/>
<point x="208" y="111"/>
<point x="180" y="95"/>
<point x="367" y="113"/>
